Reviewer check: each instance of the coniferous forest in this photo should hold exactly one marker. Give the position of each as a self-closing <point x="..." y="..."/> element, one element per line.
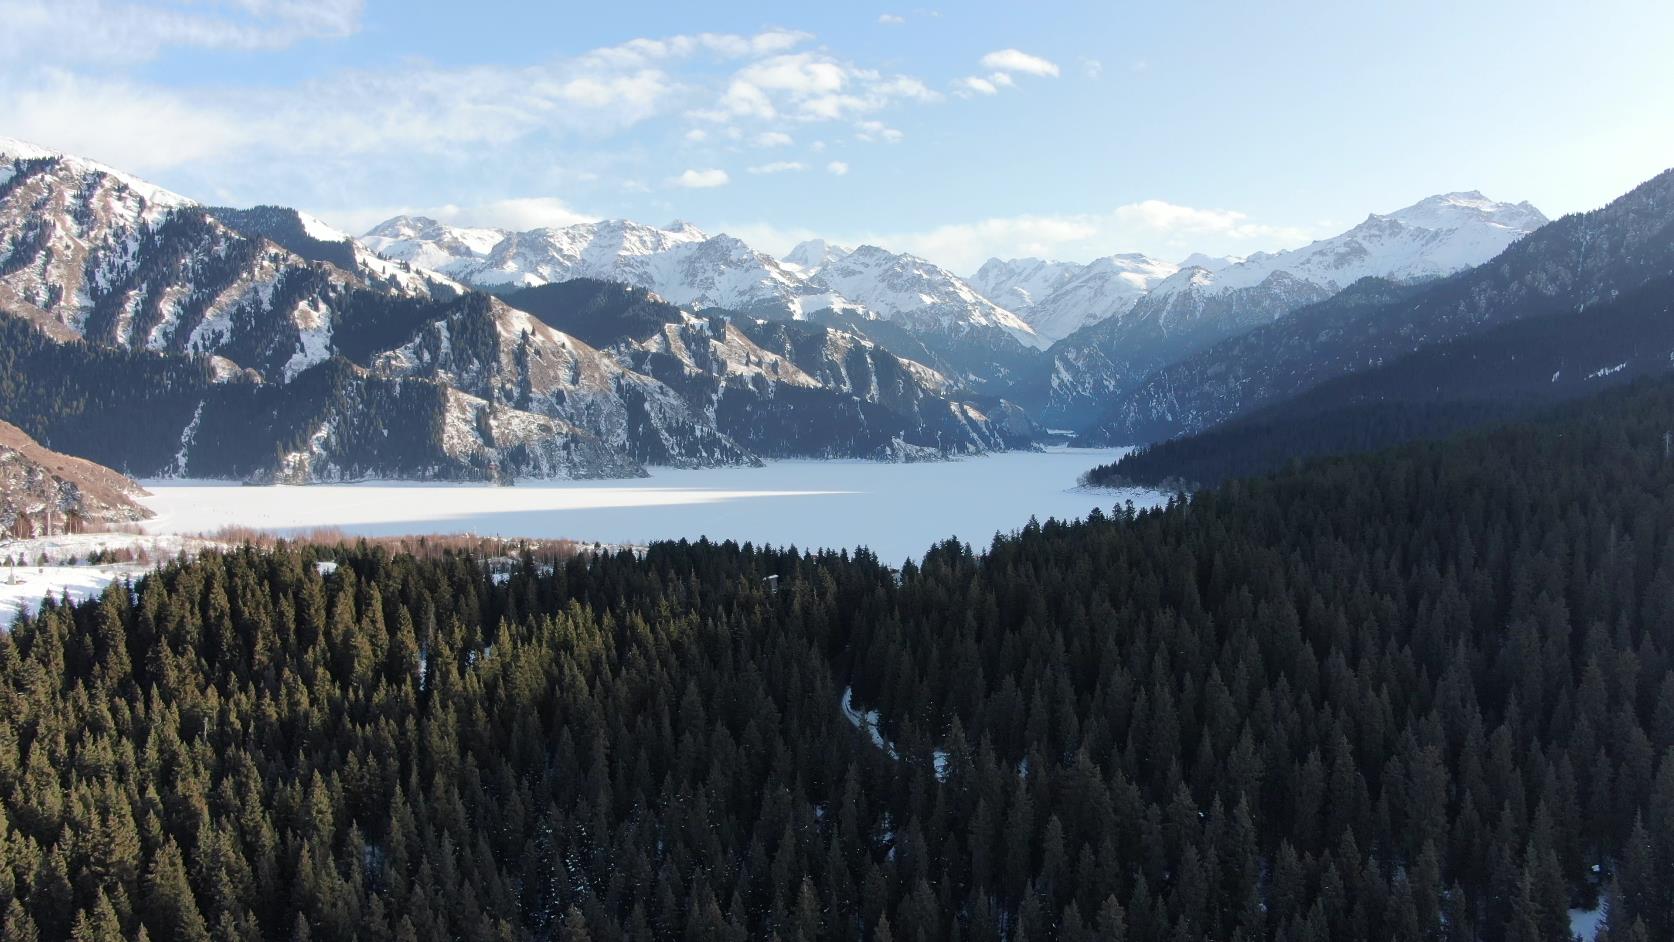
<point x="1421" y="695"/>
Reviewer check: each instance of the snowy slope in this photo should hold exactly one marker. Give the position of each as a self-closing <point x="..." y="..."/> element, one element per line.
<point x="679" y="262"/>
<point x="683" y="265"/>
<point x="921" y="294"/>
<point x="154" y="196"/>
<point x="807" y="258"/>
<point x="1435" y="236"/>
<point x="1017" y="284"/>
<point x="1106" y="287"/>
<point x="87" y="252"/>
<point x="1209" y="300"/>
<point x="425" y="243"/>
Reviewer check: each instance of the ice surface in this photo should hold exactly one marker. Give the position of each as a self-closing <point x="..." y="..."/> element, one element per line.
<point x="898" y="510"/>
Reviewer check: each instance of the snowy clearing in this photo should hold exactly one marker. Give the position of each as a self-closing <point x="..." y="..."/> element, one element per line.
<point x="1584" y="923"/>
<point x="898" y="510"/>
<point x="23" y="586"/>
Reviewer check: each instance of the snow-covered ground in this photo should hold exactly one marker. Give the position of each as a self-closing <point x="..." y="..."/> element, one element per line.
<point x="1584" y="923"/>
<point x="23" y="585"/>
<point x="898" y="510"/>
<point x="23" y="590"/>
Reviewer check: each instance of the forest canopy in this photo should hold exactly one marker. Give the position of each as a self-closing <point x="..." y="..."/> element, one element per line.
<point x="1420" y="695"/>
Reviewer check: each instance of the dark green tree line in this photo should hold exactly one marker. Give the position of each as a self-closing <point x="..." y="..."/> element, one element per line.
<point x="1425" y="695"/>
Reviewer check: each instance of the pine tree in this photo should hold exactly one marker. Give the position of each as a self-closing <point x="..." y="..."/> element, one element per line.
<point x="171" y="911"/>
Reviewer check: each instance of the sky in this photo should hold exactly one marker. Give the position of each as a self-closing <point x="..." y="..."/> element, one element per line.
<point x="1065" y="130"/>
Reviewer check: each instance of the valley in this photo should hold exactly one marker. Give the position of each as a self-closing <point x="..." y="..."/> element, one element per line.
<point x="1073" y="472"/>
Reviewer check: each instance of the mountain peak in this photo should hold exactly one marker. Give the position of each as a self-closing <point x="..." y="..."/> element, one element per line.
<point x="1464" y="208"/>
<point x="814" y="254"/>
<point x="14" y="149"/>
<point x="1210" y="262"/>
<point x="402" y="225"/>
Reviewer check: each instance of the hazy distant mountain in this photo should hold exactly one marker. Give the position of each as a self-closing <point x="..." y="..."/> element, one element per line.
<point x="1570" y="265"/>
<point x="1017" y="284"/>
<point x="1508" y="370"/>
<point x="1200" y="305"/>
<point x="811" y="256"/>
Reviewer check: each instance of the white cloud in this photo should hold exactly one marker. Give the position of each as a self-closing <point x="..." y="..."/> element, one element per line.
<point x="891" y="19"/>
<point x="128" y="126"/>
<point x="1092" y="68"/>
<point x="644" y="51"/>
<point x="515" y="213"/>
<point x="1003" y="64"/>
<point x="766" y="237"/>
<point x="778" y="166"/>
<point x="1015" y="60"/>
<point x="877" y="131"/>
<point x="702" y="179"/>
<point x="527" y="212"/>
<point x="400" y="128"/>
<point x="837" y="168"/>
<point x="810" y="86"/>
<point x="106" y="32"/>
<point x="415" y="108"/>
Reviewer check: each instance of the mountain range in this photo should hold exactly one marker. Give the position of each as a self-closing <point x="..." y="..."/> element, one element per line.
<point x="1208" y="300"/>
<point x="1573" y="264"/>
<point x="868" y="289"/>
<point x="161" y="336"/>
<point x="263" y="344"/>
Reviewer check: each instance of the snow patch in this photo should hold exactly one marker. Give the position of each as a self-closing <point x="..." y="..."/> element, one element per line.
<point x="1584" y="923"/>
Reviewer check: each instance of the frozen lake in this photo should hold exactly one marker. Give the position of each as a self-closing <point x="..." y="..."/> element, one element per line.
<point x="898" y="510"/>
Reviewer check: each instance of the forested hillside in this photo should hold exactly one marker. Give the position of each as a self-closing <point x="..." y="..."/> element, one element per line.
<point x="1512" y="370"/>
<point x="1418" y="696"/>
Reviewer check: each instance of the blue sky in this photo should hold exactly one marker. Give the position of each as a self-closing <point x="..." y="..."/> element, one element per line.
<point x="1070" y="129"/>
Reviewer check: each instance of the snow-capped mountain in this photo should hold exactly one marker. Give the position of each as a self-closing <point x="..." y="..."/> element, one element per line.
<point x="679" y="262"/>
<point x="1017" y="284"/>
<point x="280" y="348"/>
<point x="1433" y="237"/>
<point x="807" y="258"/>
<point x="96" y="254"/>
<point x="920" y="294"/>
<point x="1213" y="299"/>
<point x="1572" y="265"/>
<point x="869" y="289"/>
<point x="1104" y="288"/>
<point x="425" y="243"/>
<point x="1210" y="262"/>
